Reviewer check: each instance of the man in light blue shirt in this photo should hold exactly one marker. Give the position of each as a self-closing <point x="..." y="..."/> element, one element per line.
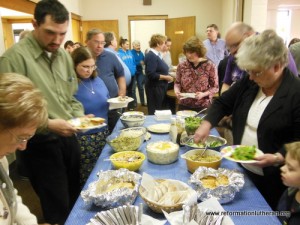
<point x="216" y="47"/>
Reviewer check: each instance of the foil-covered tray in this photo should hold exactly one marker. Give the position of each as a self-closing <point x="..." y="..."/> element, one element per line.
<point x="224" y="192"/>
<point x="113" y="188"/>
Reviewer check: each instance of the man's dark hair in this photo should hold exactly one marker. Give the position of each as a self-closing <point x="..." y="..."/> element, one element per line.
<point x="109" y="37"/>
<point x="54" y="8"/>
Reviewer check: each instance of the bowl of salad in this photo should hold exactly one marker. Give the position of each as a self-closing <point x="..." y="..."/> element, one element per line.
<point x="191" y="124"/>
<point x="212" y="142"/>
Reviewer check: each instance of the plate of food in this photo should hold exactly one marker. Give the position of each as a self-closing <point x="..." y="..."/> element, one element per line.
<point x="84" y="124"/>
<point x="241" y="153"/>
<point x="159" y="128"/>
<point x="119" y="102"/>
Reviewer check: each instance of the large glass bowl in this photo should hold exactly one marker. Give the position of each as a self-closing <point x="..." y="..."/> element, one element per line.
<point x="129" y="139"/>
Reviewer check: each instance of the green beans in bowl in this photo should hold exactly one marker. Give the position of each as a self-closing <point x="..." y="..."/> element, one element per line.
<point x="129" y="139"/>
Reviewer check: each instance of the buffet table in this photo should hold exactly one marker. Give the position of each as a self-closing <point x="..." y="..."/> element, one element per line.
<point x="248" y="199"/>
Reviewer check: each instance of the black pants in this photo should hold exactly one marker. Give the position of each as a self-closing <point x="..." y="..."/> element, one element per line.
<point x="156" y="95"/>
<point x="113" y="117"/>
<point x="53" y="165"/>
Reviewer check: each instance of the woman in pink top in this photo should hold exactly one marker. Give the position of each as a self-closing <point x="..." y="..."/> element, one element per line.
<point x="196" y="78"/>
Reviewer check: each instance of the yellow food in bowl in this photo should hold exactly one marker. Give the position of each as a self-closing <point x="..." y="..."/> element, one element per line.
<point x="130" y="160"/>
<point x="103" y="187"/>
<point x="211" y="158"/>
<point x="213" y="182"/>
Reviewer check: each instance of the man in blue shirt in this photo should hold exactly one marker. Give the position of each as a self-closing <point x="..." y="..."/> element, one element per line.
<point x="109" y="69"/>
<point x="216" y="47"/>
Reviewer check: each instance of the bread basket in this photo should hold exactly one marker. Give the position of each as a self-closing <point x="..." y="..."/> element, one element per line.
<point x="157" y="207"/>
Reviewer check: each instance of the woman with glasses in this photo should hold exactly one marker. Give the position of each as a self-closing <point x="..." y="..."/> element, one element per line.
<point x="22" y="111"/>
<point x="265" y="109"/>
<point x="93" y="94"/>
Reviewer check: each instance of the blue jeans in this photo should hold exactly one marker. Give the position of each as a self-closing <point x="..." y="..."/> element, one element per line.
<point x="140" y="80"/>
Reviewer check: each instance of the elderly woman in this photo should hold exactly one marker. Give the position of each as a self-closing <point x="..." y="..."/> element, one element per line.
<point x="157" y="74"/>
<point x="22" y="111"/>
<point x="265" y="108"/>
<point x="196" y="78"/>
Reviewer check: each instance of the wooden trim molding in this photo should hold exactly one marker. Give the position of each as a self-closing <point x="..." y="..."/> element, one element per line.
<point x="19" y="5"/>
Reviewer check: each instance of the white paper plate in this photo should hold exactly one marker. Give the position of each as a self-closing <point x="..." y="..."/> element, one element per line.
<point x="159" y="128"/>
<point x="227" y="152"/>
<point x="117" y="103"/>
<point x="77" y="123"/>
<point x="186" y="113"/>
<point x="187" y="95"/>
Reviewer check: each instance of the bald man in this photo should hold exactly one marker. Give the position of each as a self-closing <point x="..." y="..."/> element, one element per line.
<point x="235" y="35"/>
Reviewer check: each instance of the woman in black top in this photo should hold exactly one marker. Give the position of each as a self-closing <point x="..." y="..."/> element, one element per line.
<point x="157" y="77"/>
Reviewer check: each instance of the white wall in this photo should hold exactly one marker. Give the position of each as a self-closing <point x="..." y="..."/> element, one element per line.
<point x="143" y="30"/>
<point x="206" y="12"/>
<point x="227" y="16"/>
<point x="295" y="27"/>
<point x="256" y="14"/>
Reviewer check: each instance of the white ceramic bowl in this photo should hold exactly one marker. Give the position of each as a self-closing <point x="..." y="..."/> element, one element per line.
<point x="162" y="152"/>
<point x="132" y="120"/>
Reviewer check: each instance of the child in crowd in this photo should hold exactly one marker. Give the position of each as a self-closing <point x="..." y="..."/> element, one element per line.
<point x="290" y="175"/>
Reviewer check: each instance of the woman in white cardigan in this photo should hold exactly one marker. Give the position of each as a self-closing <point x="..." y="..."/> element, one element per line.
<point x="22" y="111"/>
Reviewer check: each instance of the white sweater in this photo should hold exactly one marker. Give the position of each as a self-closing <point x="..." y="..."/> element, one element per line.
<point x="23" y="215"/>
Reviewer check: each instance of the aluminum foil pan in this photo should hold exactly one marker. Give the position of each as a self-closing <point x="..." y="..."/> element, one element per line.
<point x="224" y="193"/>
<point x="102" y="193"/>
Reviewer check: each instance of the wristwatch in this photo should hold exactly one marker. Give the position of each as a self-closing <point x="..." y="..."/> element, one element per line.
<point x="278" y="162"/>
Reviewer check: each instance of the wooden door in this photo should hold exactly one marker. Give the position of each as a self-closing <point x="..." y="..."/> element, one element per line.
<point x="103" y="25"/>
<point x="76" y="28"/>
<point x="179" y="30"/>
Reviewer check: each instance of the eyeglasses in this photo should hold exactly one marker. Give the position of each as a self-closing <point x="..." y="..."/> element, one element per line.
<point x="99" y="42"/>
<point x="233" y="46"/>
<point x="254" y="73"/>
<point x="21" y="140"/>
<point x="88" y="68"/>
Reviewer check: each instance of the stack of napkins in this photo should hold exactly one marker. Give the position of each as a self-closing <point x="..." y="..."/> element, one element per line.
<point x="163" y="114"/>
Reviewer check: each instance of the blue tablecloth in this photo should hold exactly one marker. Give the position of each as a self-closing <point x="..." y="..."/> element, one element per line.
<point x="248" y="199"/>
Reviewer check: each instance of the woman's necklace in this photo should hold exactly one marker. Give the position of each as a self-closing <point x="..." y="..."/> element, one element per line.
<point x="90" y="89"/>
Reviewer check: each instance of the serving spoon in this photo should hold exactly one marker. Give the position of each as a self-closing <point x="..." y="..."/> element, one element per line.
<point x="200" y="112"/>
<point x="206" y="146"/>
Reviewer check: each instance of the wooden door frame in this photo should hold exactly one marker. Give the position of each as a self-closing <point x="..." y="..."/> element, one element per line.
<point x="141" y="17"/>
<point x="77" y="17"/>
<point x="19" y="5"/>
